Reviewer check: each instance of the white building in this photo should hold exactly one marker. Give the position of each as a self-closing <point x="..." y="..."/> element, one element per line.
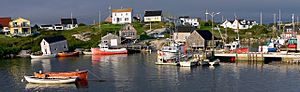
<point x="121" y="16"/>
<point x="47" y="27"/>
<point x="58" y="27"/>
<point x="54" y="45"/>
<point x="153" y="16"/>
<point x="69" y="23"/>
<point x="239" y="23"/>
<point x="190" y="21"/>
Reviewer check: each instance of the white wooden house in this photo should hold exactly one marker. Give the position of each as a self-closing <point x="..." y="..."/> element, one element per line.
<point x="239" y="23"/>
<point x="121" y="16"/>
<point x="190" y="21"/>
<point x="54" y="45"/>
<point x="153" y="16"/>
<point x="47" y="27"/>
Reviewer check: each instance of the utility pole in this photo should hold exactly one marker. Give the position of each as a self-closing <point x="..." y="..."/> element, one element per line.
<point x="212" y="14"/>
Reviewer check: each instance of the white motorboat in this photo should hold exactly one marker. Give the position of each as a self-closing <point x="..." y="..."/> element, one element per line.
<point x="189" y="63"/>
<point x="43" y="56"/>
<point x="49" y="80"/>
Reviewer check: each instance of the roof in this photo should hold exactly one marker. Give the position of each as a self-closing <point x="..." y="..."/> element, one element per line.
<point x="122" y="10"/>
<point x="57" y="24"/>
<point x="184" y="16"/>
<point x="109" y="35"/>
<point x="5" y="21"/>
<point x="207" y="35"/>
<point x="153" y="13"/>
<point x="68" y="21"/>
<point x="46" y="25"/>
<point x="184" y="29"/>
<point x="54" y="39"/>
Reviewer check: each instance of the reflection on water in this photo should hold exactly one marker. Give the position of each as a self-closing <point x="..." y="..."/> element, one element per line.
<point x="138" y="73"/>
<point x="42" y="64"/>
<point x="50" y="87"/>
<point x="108" y="58"/>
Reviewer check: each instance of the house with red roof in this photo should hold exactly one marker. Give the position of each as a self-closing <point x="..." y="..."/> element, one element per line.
<point x="4" y="24"/>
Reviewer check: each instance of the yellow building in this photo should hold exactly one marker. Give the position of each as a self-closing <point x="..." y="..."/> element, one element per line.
<point x="20" y="26"/>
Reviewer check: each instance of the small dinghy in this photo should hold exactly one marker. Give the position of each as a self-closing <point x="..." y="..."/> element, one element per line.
<point x="50" y="80"/>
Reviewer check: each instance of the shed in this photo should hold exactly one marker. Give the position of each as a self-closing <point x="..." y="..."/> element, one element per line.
<point x="54" y="45"/>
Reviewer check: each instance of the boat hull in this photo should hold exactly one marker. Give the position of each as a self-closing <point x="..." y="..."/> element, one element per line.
<point x="33" y="79"/>
<point x="43" y="56"/>
<point x="82" y="75"/>
<point x="68" y="54"/>
<point x="104" y="51"/>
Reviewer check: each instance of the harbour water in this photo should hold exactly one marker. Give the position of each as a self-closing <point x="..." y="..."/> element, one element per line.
<point x="138" y="73"/>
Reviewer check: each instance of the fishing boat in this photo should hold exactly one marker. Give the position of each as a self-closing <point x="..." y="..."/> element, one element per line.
<point x="43" y="56"/>
<point x="50" y="80"/>
<point x="169" y="54"/>
<point x="105" y="50"/>
<point x="292" y="43"/>
<point x="82" y="75"/>
<point x="68" y="54"/>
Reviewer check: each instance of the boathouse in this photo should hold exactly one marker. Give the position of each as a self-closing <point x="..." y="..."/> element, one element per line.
<point x="182" y="33"/>
<point x="199" y="38"/>
<point x="110" y="40"/>
<point x="54" y="45"/>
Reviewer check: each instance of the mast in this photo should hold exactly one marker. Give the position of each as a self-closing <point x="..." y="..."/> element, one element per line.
<point x="274" y="24"/>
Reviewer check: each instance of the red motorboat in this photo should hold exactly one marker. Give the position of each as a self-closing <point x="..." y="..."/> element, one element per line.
<point x="240" y="50"/>
<point x="82" y="75"/>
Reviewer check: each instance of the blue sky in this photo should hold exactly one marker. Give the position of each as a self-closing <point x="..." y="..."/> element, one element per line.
<point x="50" y="11"/>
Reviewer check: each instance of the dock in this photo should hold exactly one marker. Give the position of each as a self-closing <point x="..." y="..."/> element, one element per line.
<point x="260" y="56"/>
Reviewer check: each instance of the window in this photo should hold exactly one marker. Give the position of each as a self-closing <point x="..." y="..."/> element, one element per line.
<point x="16" y="31"/>
<point x="126" y="13"/>
<point x="126" y="19"/>
<point x="15" y="24"/>
<point x="24" y="24"/>
<point x="44" y="43"/>
<point x="55" y="49"/>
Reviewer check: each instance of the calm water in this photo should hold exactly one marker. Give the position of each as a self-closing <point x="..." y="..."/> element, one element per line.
<point x="138" y="73"/>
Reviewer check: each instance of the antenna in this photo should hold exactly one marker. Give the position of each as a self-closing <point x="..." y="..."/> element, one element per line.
<point x="99" y="19"/>
<point x="293" y="21"/>
<point x="206" y="15"/>
<point x="72" y="19"/>
<point x="234" y="15"/>
<point x="261" y="18"/>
